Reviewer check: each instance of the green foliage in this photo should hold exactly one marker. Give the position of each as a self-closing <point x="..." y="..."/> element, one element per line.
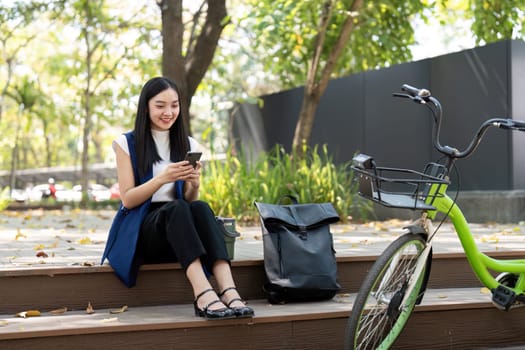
<point x="233" y="184"/>
<point x="285" y="32"/>
<point x="497" y="20"/>
<point x="4" y="198"/>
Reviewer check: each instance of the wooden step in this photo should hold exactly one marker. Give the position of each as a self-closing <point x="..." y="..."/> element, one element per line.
<point x="448" y="318"/>
<point x="162" y="284"/>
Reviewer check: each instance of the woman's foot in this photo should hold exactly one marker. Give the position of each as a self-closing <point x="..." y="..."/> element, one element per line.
<point x="208" y="305"/>
<point x="231" y="298"/>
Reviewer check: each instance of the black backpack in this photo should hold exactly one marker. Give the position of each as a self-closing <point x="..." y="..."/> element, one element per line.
<point x="299" y="258"/>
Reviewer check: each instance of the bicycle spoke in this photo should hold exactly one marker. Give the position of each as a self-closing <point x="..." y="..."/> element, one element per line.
<point x="376" y="317"/>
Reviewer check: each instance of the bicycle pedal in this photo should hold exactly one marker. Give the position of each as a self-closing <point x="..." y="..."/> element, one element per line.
<point x="503" y="297"/>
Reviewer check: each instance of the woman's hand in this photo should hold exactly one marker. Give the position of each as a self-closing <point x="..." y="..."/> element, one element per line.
<point x="176" y="171"/>
<point x="194" y="178"/>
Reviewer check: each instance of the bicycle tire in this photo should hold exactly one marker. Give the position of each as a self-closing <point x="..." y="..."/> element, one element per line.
<point x="379" y="327"/>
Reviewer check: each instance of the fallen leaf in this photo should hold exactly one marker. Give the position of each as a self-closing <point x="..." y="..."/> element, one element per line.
<point x="442" y="296"/>
<point x="28" y="313"/>
<point x="19" y="235"/>
<point x="89" y="309"/>
<point x="41" y="254"/>
<point x="59" y="311"/>
<point x="88" y="263"/>
<point x="113" y="319"/>
<point x="485" y="290"/>
<point x="119" y="311"/>
<point x="85" y="240"/>
<point x="3" y="323"/>
<point x="39" y="247"/>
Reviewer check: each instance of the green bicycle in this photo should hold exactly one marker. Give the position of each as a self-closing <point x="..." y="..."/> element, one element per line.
<point x="397" y="281"/>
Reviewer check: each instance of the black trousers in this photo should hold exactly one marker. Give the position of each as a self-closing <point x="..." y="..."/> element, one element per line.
<point x="179" y="231"/>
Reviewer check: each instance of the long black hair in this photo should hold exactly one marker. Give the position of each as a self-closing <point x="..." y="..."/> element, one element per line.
<point x="146" y="150"/>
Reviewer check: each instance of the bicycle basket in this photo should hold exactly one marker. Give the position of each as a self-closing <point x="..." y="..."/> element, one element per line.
<point x="399" y="188"/>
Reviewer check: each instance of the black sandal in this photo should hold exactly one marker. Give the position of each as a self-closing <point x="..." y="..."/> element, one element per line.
<point x="219" y="314"/>
<point x="240" y="311"/>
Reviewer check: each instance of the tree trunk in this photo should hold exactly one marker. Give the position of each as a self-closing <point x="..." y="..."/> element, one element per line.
<point x="305" y="123"/>
<point x="172" y="59"/>
<point x="188" y="71"/>
<point x="316" y="83"/>
<point x="84" y="173"/>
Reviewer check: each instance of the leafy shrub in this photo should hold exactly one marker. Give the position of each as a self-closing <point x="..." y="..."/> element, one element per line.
<point x="233" y="184"/>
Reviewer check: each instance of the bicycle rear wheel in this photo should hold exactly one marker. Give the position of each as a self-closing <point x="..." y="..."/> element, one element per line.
<point x="382" y="306"/>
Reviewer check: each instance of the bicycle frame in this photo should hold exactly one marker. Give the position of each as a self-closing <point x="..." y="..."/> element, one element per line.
<point x="480" y="262"/>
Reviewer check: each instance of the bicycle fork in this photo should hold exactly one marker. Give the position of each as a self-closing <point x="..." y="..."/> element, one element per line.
<point x="394" y="302"/>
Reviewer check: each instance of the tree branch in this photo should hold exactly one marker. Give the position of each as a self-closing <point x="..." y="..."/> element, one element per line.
<point x="197" y="64"/>
<point x="348" y="27"/>
<point x="319" y="43"/>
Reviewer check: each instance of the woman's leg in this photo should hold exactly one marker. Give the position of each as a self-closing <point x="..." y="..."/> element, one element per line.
<point x="199" y="282"/>
<point x="168" y="233"/>
<point x="216" y="259"/>
<point x="223" y="276"/>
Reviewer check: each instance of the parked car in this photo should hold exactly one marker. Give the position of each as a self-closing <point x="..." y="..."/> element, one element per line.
<point x="115" y="191"/>
<point x="19" y="195"/>
<point x="96" y="192"/>
<point x="40" y="192"/>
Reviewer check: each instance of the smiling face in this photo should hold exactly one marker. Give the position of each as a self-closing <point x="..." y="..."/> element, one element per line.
<point x="164" y="109"/>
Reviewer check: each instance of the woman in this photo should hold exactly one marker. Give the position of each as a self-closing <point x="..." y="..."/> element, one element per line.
<point x="177" y="226"/>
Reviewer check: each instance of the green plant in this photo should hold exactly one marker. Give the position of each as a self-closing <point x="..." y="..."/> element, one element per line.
<point x="4" y="198"/>
<point x="233" y="184"/>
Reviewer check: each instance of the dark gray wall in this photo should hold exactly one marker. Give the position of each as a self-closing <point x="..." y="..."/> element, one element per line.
<point x="359" y="114"/>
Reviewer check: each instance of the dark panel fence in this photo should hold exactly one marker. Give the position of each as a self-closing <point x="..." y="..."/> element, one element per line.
<point x="359" y="114"/>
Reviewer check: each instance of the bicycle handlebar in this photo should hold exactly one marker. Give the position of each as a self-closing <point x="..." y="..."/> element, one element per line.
<point x="423" y="96"/>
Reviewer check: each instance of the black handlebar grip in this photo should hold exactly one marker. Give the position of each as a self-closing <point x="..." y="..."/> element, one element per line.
<point x="415" y="91"/>
<point x="519" y="124"/>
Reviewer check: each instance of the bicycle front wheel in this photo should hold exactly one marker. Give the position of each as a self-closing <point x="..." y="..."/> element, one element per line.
<point x="388" y="295"/>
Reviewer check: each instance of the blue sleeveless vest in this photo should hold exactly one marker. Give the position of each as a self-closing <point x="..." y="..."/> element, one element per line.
<point x="121" y="245"/>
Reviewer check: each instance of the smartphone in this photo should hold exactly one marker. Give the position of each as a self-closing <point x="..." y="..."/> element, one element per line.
<point x="193" y="157"/>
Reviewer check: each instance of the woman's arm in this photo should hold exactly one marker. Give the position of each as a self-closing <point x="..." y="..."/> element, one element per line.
<point x="133" y="196"/>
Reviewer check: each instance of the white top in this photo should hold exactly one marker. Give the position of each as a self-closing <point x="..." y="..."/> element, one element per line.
<point x="162" y="141"/>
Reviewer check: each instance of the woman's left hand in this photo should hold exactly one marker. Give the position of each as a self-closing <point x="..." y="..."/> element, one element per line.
<point x="195" y="177"/>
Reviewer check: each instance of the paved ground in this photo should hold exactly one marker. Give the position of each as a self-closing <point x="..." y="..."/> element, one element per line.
<point x="37" y="238"/>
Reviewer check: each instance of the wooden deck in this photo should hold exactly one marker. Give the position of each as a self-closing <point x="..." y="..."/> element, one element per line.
<point x="456" y="313"/>
<point x="438" y="323"/>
